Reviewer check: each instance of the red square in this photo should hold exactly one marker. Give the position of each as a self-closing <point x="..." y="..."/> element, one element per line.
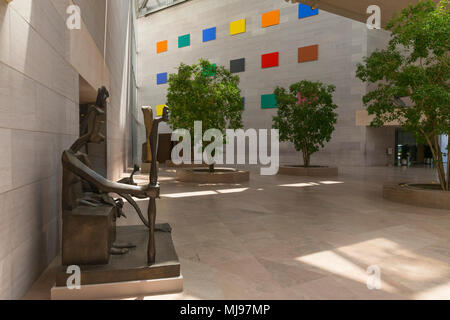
<point x="269" y="60"/>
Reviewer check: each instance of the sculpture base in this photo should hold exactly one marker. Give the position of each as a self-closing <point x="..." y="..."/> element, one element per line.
<point x="133" y="265"/>
<point x="120" y="290"/>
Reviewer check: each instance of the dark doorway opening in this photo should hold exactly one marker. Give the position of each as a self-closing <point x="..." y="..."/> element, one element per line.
<point x="96" y="151"/>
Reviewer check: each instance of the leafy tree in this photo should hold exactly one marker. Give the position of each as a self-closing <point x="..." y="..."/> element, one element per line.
<point x="306" y="116"/>
<point x="412" y="77"/>
<point x="204" y="92"/>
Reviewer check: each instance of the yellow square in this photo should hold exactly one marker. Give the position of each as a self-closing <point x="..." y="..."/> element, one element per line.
<point x="159" y="110"/>
<point x="237" y="27"/>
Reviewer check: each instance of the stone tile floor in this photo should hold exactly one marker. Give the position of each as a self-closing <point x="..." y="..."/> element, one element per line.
<point x="283" y="237"/>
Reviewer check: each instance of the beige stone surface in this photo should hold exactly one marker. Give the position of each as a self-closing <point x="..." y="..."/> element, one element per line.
<point x="284" y="237"/>
<point x="40" y="64"/>
<point x="342" y="45"/>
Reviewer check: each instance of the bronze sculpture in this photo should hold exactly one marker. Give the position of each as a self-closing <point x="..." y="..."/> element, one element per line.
<point x="89" y="211"/>
<point x="148" y="122"/>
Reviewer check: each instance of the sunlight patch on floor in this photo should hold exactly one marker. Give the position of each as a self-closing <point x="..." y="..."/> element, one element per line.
<point x="330" y="182"/>
<point x="202" y="193"/>
<point x="232" y="190"/>
<point x="410" y="271"/>
<point x="441" y="292"/>
<point x="300" y="185"/>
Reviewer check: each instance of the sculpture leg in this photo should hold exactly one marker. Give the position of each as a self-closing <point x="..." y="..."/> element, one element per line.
<point x="151" y="232"/>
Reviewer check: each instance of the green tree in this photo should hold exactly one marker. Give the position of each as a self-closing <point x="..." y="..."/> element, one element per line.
<point x="306" y="116"/>
<point x="412" y="77"/>
<point x="204" y="92"/>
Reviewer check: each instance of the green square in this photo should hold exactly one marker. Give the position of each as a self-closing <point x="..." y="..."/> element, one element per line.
<point x="268" y="101"/>
<point x="184" y="41"/>
<point x="210" y="72"/>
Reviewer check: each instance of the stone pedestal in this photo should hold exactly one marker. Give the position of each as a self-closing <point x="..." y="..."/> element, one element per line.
<point x="128" y="275"/>
<point x="120" y="290"/>
<point x="88" y="233"/>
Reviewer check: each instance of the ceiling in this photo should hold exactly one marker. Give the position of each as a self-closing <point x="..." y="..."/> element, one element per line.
<point x="357" y="9"/>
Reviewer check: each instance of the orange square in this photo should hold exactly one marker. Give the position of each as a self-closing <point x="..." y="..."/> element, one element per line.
<point x="161" y="46"/>
<point x="270" y="18"/>
<point x="310" y="53"/>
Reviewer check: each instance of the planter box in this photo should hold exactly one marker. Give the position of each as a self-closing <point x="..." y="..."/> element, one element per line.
<point x="416" y="196"/>
<point x="221" y="175"/>
<point x="309" y="172"/>
<point x="170" y="164"/>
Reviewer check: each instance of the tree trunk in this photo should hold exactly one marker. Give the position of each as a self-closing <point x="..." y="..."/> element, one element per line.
<point x="211" y="168"/>
<point x="433" y="143"/>
<point x="306" y="158"/>
<point x="440" y="164"/>
<point x="448" y="162"/>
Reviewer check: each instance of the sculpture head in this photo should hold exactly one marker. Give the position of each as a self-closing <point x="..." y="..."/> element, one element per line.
<point x="102" y="96"/>
<point x="165" y="116"/>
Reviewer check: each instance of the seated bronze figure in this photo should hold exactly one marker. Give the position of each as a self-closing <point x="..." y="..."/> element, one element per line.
<point x="89" y="210"/>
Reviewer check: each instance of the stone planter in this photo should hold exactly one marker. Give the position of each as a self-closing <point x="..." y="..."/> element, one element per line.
<point x="221" y="175"/>
<point x="314" y="171"/>
<point x="170" y="164"/>
<point x="421" y="195"/>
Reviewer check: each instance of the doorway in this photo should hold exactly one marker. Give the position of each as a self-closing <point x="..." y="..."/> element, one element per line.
<point x="96" y="151"/>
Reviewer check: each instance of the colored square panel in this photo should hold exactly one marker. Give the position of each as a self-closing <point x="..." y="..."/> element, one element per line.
<point x="161" y="78"/>
<point x="159" y="110"/>
<point x="271" y="18"/>
<point x="209" y="34"/>
<point x="270" y="60"/>
<point x="210" y="72"/>
<point x="237" y="65"/>
<point x="309" y="53"/>
<point x="268" y="101"/>
<point x="184" y="41"/>
<point x="305" y="11"/>
<point x="161" y="46"/>
<point x="237" y="27"/>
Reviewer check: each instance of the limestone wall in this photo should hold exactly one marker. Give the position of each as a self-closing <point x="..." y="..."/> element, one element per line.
<point x="40" y="64"/>
<point x="342" y="44"/>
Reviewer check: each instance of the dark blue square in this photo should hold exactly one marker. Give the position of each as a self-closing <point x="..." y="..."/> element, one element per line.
<point x="161" y="78"/>
<point x="305" y="11"/>
<point x="209" y="34"/>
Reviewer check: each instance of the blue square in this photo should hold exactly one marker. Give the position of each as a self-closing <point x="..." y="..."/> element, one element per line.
<point x="305" y="11"/>
<point x="161" y="78"/>
<point x="209" y="34"/>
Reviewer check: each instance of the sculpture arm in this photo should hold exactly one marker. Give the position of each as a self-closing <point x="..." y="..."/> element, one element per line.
<point x="71" y="162"/>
